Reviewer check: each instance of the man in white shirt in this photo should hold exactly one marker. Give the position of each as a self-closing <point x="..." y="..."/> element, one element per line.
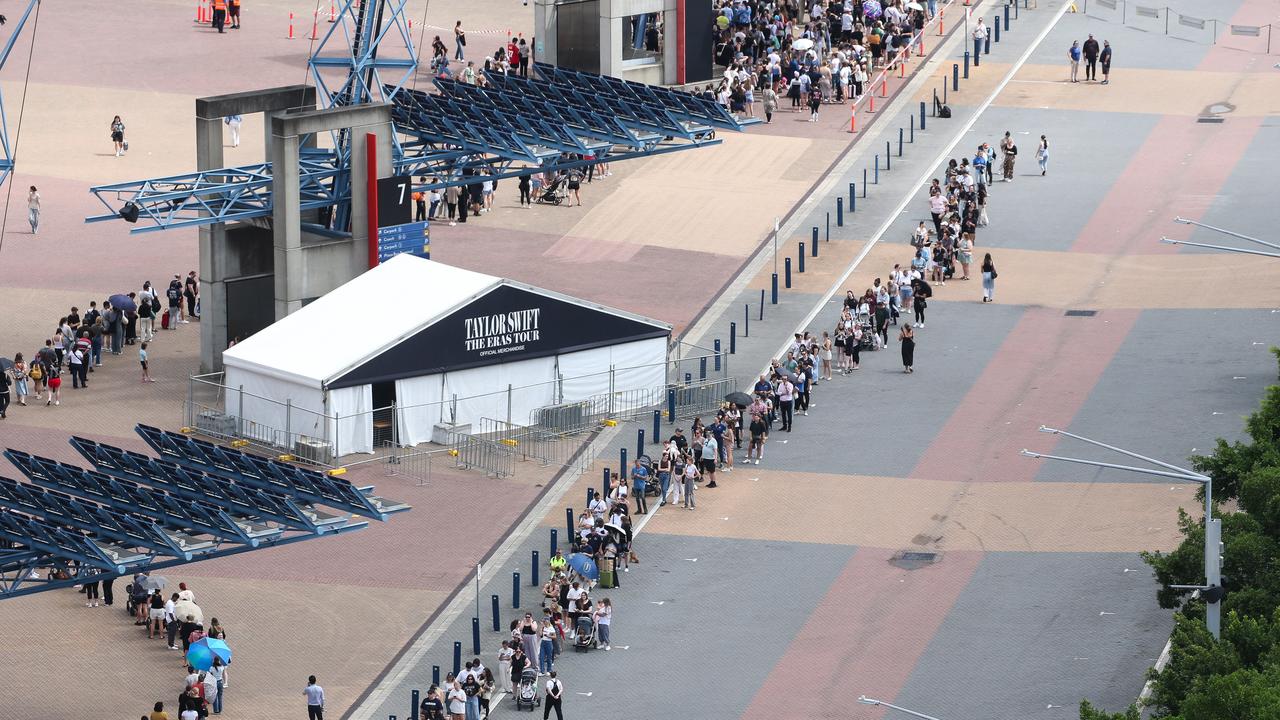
<point x="555" y="694"/>
<point x="315" y="699"/>
<point x="598" y="506"/>
<point x="979" y="37"/>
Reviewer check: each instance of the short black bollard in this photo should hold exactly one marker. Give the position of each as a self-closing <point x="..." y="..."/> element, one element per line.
<point x="414" y="698"/>
<point x="840" y="210"/>
<point x="955" y="78"/>
<point x="864" y="182"/>
<point x="746" y="320"/>
<point x="775" y="296"/>
<point x="671" y="406"/>
<point x="733" y="338"/>
<point x="702" y="368"/>
<point x="786" y="273"/>
<point x="935" y="99"/>
<point x="935" y="95"/>
<point x="497" y="620"/>
<point x="568" y="519"/>
<point x="717" y="347"/>
<point x="888" y="155"/>
<point x="640" y="436"/>
<point x="475" y="636"/>
<point x="827" y="236"/>
<point x="814" y="244"/>
<point x="900" y="140"/>
<point x="912" y="137"/>
<point x="657" y="425"/>
<point x="801" y="268"/>
<point x="435" y="675"/>
<point x="457" y="657"/>
<point x="515" y="589"/>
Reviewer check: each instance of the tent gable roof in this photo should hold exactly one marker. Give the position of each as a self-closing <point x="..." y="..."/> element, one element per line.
<point x="505" y="323"/>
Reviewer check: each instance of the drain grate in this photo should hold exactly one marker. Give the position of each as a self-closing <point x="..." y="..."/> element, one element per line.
<point x="1081" y="313"/>
<point x="914" y="559"/>
<point x="1211" y="120"/>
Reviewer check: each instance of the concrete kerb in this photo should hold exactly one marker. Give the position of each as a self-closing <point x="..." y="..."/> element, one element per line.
<point x="836" y="179"/>
<point x="924" y="178"/>
<point x="459" y="602"/>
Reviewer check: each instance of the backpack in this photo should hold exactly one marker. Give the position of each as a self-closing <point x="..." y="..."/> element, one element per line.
<point x="944" y="111"/>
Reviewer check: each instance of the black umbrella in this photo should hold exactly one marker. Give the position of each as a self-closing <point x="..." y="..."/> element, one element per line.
<point x="740" y="399"/>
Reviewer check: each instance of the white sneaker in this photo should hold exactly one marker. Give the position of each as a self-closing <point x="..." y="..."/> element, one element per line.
<point x="757" y="462"/>
<point x="606" y="647"/>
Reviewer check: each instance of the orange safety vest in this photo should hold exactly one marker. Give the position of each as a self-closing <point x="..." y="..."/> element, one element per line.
<point x="220" y="5"/>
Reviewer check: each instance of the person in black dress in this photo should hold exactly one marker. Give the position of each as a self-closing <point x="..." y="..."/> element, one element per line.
<point x="908" y="340"/>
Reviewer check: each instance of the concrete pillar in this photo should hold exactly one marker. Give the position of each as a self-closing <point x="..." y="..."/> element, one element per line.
<point x="213" y="265"/>
<point x="286" y="223"/>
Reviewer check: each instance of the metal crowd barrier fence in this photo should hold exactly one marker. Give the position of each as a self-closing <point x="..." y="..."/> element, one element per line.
<point x="1160" y="18"/>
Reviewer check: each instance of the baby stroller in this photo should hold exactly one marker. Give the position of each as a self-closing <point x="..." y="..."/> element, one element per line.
<point x="652" y="486"/>
<point x="554" y="193"/>
<point x="527" y="693"/>
<point x="586" y="631"/>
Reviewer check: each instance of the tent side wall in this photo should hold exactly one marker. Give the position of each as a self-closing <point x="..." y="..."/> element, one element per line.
<point x="272" y="409"/>
<point x="638" y="365"/>
<point x="351" y="419"/>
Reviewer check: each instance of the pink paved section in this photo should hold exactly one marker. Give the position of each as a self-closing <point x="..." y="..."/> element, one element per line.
<point x="865" y="636"/>
<point x="1042" y="374"/>
<point x="1178" y="170"/>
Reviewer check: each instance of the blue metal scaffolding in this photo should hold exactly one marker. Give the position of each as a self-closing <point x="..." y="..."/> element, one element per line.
<point x="134" y="513"/>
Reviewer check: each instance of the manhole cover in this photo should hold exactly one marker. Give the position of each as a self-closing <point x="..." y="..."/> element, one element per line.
<point x="914" y="559"/>
<point x="1081" y="313"/>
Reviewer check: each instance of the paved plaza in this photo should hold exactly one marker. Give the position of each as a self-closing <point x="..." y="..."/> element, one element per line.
<point x="782" y="594"/>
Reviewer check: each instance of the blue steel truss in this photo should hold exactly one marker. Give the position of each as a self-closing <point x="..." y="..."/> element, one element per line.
<point x="557" y="120"/>
<point x="135" y="513"/>
<point x="6" y="152"/>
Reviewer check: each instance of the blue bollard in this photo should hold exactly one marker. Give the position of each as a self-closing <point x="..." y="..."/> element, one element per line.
<point x="688" y="378"/>
<point x="534" y="565"/>
<point x="639" y="442"/>
<point x="515" y="595"/>
<point x="475" y="636"/>
<point x="955" y="77"/>
<point x="912" y="136"/>
<point x="966" y="68"/>
<point x="786" y="271"/>
<point x="986" y="48"/>
<point x="622" y="466"/>
<point x="746" y="320"/>
<point x="1006" y="17"/>
<point x="935" y="94"/>
<point x="657" y="426"/>
<point x="853" y="195"/>
<point x="435" y="675"/>
<point x="801" y="269"/>
<point x="900" y="141"/>
<point x="671" y="406"/>
<point x="996" y="25"/>
<point x="414" y="698"/>
<point x="877" y="176"/>
<point x="773" y="296"/>
<point x="457" y="657"/>
<point x="733" y="338"/>
<point x="702" y="368"/>
<point x="555" y="539"/>
<point x="568" y="518"/>
<point x="888" y="155"/>
<point x="864" y="182"/>
<point x="604" y="484"/>
<point x="840" y="208"/>
<point x="497" y="619"/>
<point x="827" y="236"/>
<point x="815" y="241"/>
<point x="717" y="349"/>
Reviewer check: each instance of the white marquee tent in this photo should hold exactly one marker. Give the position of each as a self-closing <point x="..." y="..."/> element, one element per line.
<point x="452" y="342"/>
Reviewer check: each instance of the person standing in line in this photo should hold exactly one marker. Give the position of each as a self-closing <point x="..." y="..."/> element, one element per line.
<point x="174" y="295"/>
<point x="1042" y="152"/>
<point x="1010" y="151"/>
<point x="1074" y="56"/>
<point x="786" y="400"/>
<point x="524" y="58"/>
<point x="459" y="42"/>
<point x="20" y="371"/>
<point x="639" y="483"/>
<point x="142" y="360"/>
<point x="710" y="458"/>
<point x="907" y="339"/>
<point x="526" y="184"/>
<point x="233" y="9"/>
<point x="5" y="384"/>
<point x="75" y="362"/>
<point x="604" y="622"/>
<point x="988" y="279"/>
<point x="1106" y="62"/>
<point x="233" y="124"/>
<point x="33" y="209"/>
<point x="457" y="701"/>
<point x="315" y="699"/>
<point x="1090" y="50"/>
<point x="53" y="379"/>
<point x="117" y="135"/>
<point x="191" y="291"/>
<point x="555" y="694"/>
<point x="504" y="667"/>
<point x="690" y="483"/>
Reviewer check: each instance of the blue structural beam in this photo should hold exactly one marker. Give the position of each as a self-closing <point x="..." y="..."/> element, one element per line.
<point x="6" y="151"/>
<point x="299" y="483"/>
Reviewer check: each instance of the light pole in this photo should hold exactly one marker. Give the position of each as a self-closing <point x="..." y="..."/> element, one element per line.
<point x="872" y="701"/>
<point x="1228" y="248"/>
<point x="1211" y="591"/>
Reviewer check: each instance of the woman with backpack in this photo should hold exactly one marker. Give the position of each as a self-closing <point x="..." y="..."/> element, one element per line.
<point x="117" y="135"/>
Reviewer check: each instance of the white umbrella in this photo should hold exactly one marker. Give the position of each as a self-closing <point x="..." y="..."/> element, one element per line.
<point x="914" y="6"/>
<point x="185" y="608"/>
<point x="802" y="44"/>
